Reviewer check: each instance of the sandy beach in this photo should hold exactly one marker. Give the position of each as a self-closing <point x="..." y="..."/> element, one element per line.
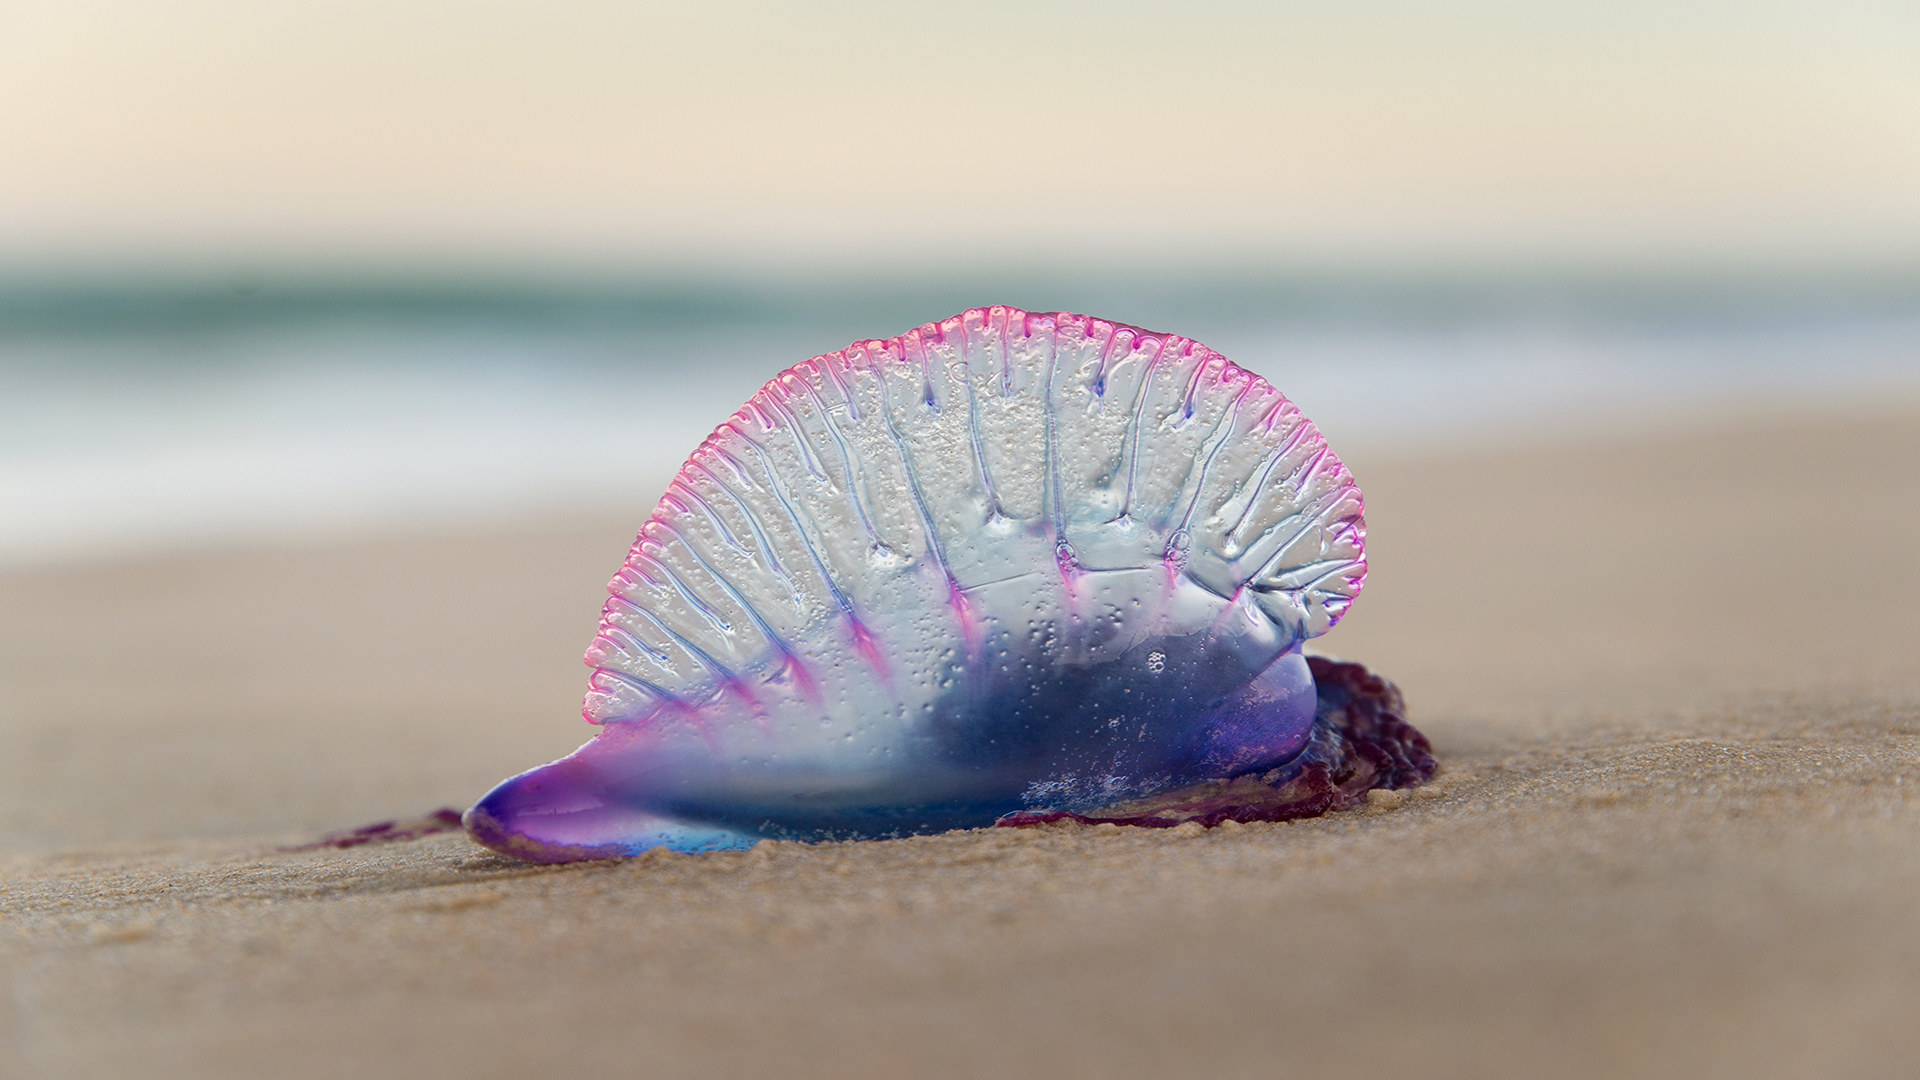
<point x="1672" y="675"/>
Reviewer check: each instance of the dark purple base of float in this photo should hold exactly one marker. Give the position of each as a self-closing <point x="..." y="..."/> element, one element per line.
<point x="1361" y="741"/>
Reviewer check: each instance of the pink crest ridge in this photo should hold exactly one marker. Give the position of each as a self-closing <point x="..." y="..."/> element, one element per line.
<point x="1117" y="340"/>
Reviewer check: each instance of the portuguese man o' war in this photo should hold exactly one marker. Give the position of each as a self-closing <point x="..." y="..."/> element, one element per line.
<point x="1005" y="568"/>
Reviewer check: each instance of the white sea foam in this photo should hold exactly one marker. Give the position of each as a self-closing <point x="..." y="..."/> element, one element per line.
<point x="133" y="443"/>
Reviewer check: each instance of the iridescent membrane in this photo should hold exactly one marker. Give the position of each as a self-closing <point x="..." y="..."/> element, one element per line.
<point x="1003" y="563"/>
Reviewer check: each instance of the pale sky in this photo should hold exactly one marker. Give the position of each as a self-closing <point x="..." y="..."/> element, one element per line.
<point x="1756" y="129"/>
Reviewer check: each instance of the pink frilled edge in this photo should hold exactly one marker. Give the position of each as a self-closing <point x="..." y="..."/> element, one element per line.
<point x="911" y="348"/>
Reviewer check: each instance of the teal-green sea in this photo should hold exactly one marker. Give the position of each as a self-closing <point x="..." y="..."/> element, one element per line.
<point x="144" y="412"/>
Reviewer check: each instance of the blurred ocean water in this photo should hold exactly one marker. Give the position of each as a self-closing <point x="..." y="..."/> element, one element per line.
<point x="140" y="416"/>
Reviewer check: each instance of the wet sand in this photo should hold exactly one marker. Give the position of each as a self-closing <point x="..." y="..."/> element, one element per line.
<point x="1673" y="678"/>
